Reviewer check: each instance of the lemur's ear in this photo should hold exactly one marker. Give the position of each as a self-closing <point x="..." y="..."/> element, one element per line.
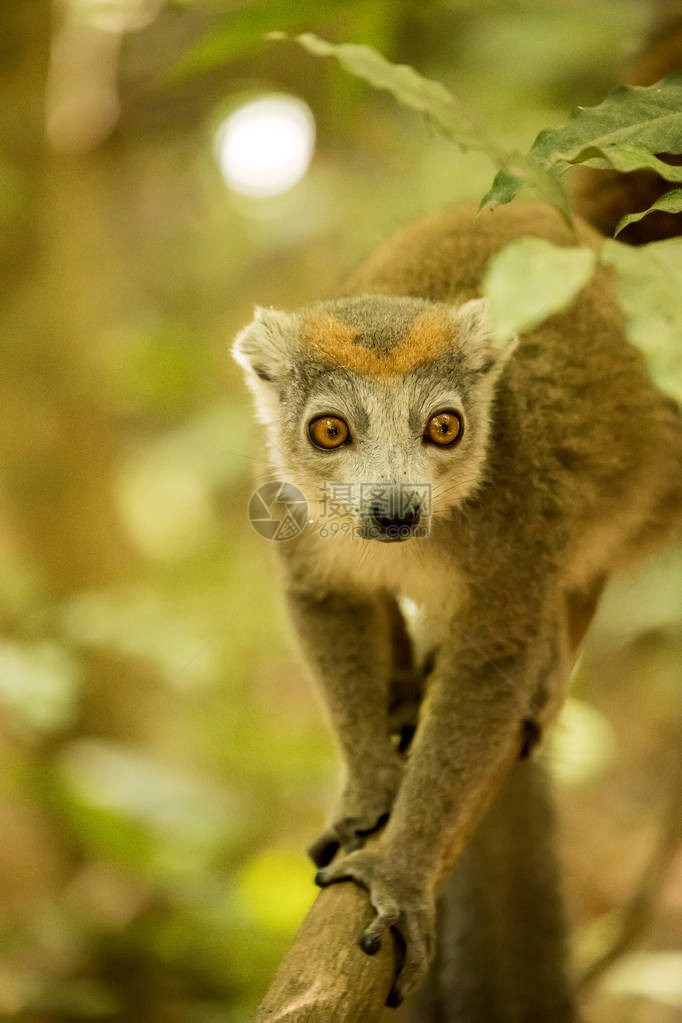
<point x="264" y="348"/>
<point x="472" y="318"/>
<point x="483" y="352"/>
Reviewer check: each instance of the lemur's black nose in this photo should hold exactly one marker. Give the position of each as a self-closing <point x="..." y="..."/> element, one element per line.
<point x="396" y="526"/>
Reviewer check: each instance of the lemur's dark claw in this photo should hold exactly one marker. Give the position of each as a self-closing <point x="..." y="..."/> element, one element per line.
<point x="370" y="944"/>
<point x="323" y="850"/>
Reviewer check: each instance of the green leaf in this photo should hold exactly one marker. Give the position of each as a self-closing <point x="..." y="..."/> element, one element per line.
<point x="504" y="188"/>
<point x="624" y="132"/>
<point x="633" y="121"/>
<point x="671" y="202"/>
<point x="436" y="102"/>
<point x="407" y="86"/>
<point x="629" y="157"/>
<point x="649" y="280"/>
<point x="531" y="279"/>
<point x="548" y="186"/>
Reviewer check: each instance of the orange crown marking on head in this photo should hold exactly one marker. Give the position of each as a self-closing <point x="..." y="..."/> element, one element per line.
<point x="430" y="336"/>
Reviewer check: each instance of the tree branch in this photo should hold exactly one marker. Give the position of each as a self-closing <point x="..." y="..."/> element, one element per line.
<point x="325" y="976"/>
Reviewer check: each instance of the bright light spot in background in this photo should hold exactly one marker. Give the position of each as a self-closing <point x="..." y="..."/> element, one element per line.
<point x="265" y="147"/>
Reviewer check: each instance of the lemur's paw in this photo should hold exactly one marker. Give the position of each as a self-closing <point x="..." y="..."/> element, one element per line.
<point x="401" y="902"/>
<point x="348" y="834"/>
<point x="364" y="808"/>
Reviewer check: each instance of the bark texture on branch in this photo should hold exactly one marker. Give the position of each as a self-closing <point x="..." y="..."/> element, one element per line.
<point x="325" y="977"/>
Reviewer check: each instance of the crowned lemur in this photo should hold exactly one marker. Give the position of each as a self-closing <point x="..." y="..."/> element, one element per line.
<point x="482" y="497"/>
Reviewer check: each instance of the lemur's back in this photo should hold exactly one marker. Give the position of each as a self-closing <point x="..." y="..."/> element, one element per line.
<point x="444" y="256"/>
<point x="576" y="412"/>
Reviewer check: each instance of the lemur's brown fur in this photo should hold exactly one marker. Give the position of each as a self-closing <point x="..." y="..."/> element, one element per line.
<point x="568" y="466"/>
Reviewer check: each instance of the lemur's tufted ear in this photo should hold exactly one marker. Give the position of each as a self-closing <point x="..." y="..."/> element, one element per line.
<point x="483" y="352"/>
<point x="264" y="348"/>
<point x="472" y="318"/>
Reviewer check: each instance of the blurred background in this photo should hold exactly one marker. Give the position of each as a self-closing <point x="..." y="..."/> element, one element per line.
<point x="165" y="759"/>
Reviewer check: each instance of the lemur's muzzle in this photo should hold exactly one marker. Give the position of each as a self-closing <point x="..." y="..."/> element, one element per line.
<point x="393" y="528"/>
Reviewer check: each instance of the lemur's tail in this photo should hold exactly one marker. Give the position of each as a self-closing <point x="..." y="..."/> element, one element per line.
<point x="603" y="197"/>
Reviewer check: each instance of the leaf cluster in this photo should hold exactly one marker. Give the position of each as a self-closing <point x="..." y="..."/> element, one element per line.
<point x="532" y="279"/>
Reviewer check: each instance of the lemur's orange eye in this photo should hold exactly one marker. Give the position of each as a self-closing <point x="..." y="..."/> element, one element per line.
<point x="444" y="429"/>
<point x="328" y="432"/>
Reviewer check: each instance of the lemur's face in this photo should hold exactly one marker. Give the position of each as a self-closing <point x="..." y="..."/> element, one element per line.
<point x="378" y="408"/>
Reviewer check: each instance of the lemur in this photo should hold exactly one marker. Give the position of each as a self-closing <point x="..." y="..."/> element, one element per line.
<point x="443" y="626"/>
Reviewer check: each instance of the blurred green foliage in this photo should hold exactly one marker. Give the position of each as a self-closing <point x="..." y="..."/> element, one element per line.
<point x="165" y="759"/>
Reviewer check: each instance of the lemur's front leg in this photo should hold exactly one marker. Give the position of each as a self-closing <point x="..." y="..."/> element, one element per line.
<point x="347" y="640"/>
<point x="471" y="732"/>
